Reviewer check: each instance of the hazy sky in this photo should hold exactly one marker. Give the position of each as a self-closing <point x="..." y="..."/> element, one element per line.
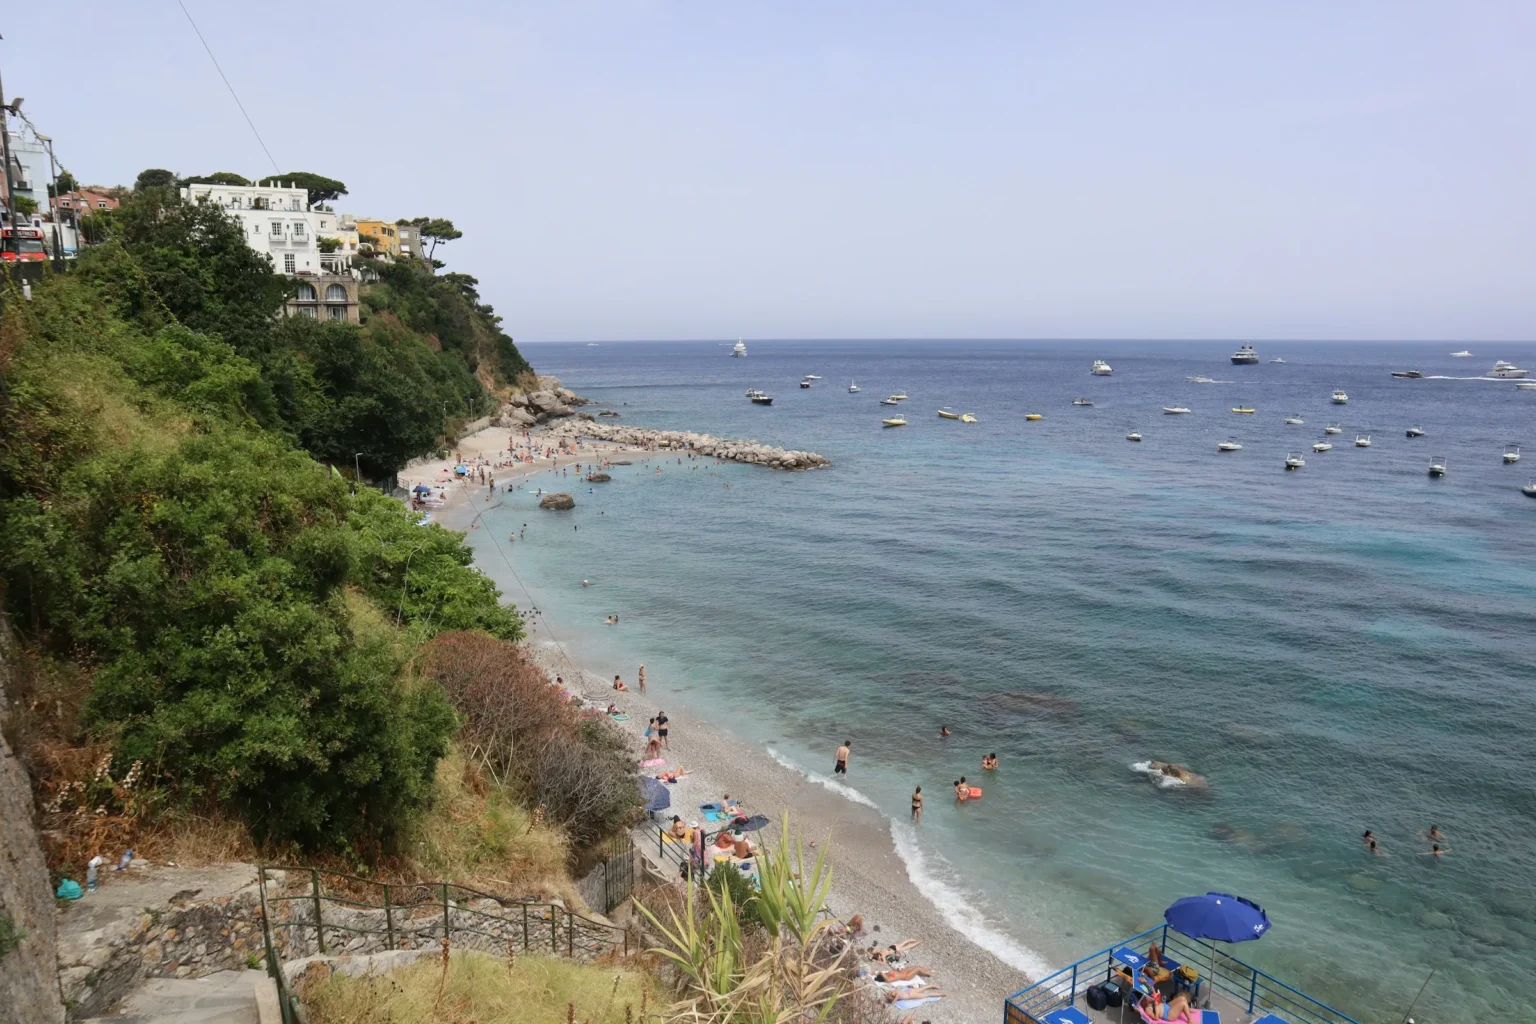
<point x="867" y="169"/>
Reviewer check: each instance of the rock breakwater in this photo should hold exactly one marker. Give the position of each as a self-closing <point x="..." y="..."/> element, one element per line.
<point x="727" y="448"/>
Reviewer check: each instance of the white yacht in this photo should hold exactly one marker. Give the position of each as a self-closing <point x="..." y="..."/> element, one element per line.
<point x="853" y="388"/>
<point x="1463" y="354"/>
<point x="1229" y="446"/>
<point x="752" y="391"/>
<point x="1294" y="421"/>
<point x="1363" y="441"/>
<point x="1437" y="465"/>
<point x="1339" y="397"/>
<point x="1134" y="435"/>
<point x="1245" y="354"/>
<point x="1101" y="368"/>
<point x="740" y="350"/>
<point x="1528" y="385"/>
<point x="1175" y="410"/>
<point x="1322" y="446"/>
<point x="1081" y="401"/>
<point x="889" y="401"/>
<point x="812" y="376"/>
<point x="1333" y="428"/>
<point x="1294" y="461"/>
<point x="1511" y="453"/>
<point x="1414" y="432"/>
<point x="1505" y="370"/>
<point x="762" y="399"/>
<point x="1277" y="359"/>
<point x="1200" y="380"/>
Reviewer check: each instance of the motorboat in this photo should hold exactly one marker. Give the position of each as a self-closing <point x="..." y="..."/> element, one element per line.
<point x="1201" y="380"/>
<point x="762" y="399"/>
<point x="1294" y="421"/>
<point x="967" y="417"/>
<point x="1437" y="465"/>
<point x="1277" y="359"/>
<point x="1081" y="401"/>
<point x="1246" y="410"/>
<point x="899" y="398"/>
<point x="1101" y="368"/>
<point x="1506" y="371"/>
<point x="895" y="421"/>
<point x="1245" y="354"/>
<point x="1362" y="440"/>
<point x="889" y="401"/>
<point x="945" y="414"/>
<point x="1175" y="410"/>
<point x="1527" y="385"/>
<point x="853" y="388"/>
<point x="1134" y="435"/>
<point x="1339" y="397"/>
<point x="1410" y="374"/>
<point x="1511" y="454"/>
<point x="1414" y="432"/>
<point x="1333" y="428"/>
<point x="1322" y="446"/>
<point x="1463" y="354"/>
<point x="805" y="383"/>
<point x="1032" y="416"/>
<point x="1294" y="461"/>
<point x="1229" y="446"/>
<point x="740" y="350"/>
<point x="812" y="376"/>
<point x="752" y="391"/>
<point x="1529" y="490"/>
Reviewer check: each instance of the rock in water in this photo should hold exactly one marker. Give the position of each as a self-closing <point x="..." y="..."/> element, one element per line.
<point x="598" y="478"/>
<point x="560" y="500"/>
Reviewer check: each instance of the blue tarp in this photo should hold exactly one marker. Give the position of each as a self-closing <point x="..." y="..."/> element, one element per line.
<point x="655" y="793"/>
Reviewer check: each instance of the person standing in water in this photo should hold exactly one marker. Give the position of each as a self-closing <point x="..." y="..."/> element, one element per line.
<point x="917" y="804"/>
<point x="841" y="767"/>
<point x="642" y="678"/>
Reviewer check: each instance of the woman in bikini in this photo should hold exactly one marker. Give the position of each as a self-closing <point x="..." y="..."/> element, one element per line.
<point x="1154" y="1006"/>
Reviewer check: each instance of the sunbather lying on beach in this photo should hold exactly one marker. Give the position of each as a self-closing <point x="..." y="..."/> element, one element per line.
<point x="670" y="776"/>
<point x="924" y="992"/>
<point x="890" y="953"/>
<point x="1154" y="1006"/>
<point x="903" y="974"/>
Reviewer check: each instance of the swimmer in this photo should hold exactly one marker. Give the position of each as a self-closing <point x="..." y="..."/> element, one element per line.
<point x="943" y="730"/>
<point x="917" y="804"/>
<point x="1434" y="834"/>
<point x="586" y="583"/>
<point x="962" y="791"/>
<point x="989" y="762"/>
<point x="1435" y="851"/>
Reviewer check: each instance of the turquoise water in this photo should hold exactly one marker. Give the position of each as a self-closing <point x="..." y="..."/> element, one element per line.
<point x="1343" y="647"/>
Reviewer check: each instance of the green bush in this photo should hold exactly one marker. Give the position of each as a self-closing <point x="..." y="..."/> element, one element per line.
<point x="725" y="876"/>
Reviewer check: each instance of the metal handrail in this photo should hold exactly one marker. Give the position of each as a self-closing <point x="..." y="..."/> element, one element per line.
<point x="1242" y="982"/>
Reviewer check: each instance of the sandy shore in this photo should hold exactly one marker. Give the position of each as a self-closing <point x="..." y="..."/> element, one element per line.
<point x="869" y="877"/>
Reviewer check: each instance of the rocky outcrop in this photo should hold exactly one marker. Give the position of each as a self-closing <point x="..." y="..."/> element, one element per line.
<point x="29" y="958"/>
<point x="609" y="413"/>
<point x="729" y="449"/>
<point x="559" y="500"/>
<point x="598" y="478"/>
<point x="548" y="401"/>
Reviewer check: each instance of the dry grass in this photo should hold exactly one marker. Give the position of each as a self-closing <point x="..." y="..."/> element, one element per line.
<point x="480" y="989"/>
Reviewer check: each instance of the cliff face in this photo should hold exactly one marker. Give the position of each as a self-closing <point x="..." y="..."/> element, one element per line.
<point x="29" y="958"/>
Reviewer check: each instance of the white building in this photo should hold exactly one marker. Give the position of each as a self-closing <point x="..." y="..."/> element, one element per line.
<point x="278" y="221"/>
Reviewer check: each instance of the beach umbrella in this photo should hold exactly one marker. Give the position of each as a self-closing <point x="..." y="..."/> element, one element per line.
<point x="421" y="489"/>
<point x="655" y="794"/>
<point x="754" y="823"/>
<point x="1218" y="917"/>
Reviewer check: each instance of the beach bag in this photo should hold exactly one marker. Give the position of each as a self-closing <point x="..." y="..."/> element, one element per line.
<point x="69" y="889"/>
<point x="1113" y="996"/>
<point x="1096" y="997"/>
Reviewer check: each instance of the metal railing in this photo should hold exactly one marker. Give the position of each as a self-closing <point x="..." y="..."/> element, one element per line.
<point x="1249" y="988"/>
<point x="366" y="916"/>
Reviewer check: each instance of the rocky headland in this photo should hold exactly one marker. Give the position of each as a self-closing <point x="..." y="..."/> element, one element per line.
<point x="726" y="448"/>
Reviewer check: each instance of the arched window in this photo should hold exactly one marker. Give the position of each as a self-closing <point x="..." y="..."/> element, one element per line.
<point x="306" y="292"/>
<point x="335" y="293"/>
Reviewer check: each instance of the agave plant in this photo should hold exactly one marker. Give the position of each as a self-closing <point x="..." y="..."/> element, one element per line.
<point x="785" y="983"/>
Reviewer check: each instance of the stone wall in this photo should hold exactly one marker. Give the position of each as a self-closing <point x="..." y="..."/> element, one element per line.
<point x="29" y="982"/>
<point x="729" y="449"/>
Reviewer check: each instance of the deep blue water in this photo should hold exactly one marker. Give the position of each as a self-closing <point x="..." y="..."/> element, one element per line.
<point x="1347" y="646"/>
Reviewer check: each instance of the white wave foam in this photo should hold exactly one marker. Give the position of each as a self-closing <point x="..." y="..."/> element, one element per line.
<point x="959" y="912"/>
<point x="1163" y="781"/>
<point x="847" y="792"/>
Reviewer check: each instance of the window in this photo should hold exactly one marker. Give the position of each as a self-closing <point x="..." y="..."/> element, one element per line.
<point x="306" y="292"/>
<point x="101" y="204"/>
<point x="335" y="293"/>
<point x="298" y="229"/>
<point x="277" y="229"/>
<point x="308" y="311"/>
<point x="336" y="312"/>
<point x="288" y="264"/>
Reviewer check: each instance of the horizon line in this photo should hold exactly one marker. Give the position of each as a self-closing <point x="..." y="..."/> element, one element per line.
<point x="1037" y="340"/>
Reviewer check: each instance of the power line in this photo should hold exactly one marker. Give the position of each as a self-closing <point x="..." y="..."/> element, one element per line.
<point x="231" y="88"/>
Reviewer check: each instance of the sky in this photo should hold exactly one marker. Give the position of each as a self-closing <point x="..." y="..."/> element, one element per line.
<point x="666" y="169"/>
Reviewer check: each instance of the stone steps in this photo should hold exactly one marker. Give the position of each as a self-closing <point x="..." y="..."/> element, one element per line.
<point x="228" y="997"/>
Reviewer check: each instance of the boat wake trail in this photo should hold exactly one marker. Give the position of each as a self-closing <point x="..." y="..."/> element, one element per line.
<point x="845" y="791"/>
<point x="932" y="877"/>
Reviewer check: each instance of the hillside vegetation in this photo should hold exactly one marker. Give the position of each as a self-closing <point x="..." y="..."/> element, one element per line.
<point x="210" y="621"/>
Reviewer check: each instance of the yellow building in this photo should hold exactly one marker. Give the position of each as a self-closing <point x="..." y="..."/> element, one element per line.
<point x="386" y="234"/>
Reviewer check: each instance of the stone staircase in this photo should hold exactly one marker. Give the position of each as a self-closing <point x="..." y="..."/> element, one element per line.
<point x="228" y="997"/>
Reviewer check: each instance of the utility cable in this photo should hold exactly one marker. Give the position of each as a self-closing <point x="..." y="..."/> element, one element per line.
<point x="231" y="88"/>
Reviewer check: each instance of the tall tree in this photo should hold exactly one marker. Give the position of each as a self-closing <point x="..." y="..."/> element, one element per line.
<point x="154" y="177"/>
<point x="321" y="189"/>
<point x="217" y="178"/>
<point x="438" y="229"/>
<point x="66" y="183"/>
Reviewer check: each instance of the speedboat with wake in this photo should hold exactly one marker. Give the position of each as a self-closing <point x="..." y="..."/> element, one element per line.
<point x="1463" y="354"/>
<point x="1081" y="401"/>
<point x="1278" y="360"/>
<point x="1409" y="374"/>
<point x="812" y="376"/>
<point x="1175" y="410"/>
<point x="1201" y="380"/>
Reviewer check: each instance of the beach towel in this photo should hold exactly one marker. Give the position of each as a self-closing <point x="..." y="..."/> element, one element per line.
<point x="907" y="1004"/>
<point x="619" y="718"/>
<point x="654" y="762"/>
<point x="906" y="983"/>
<point x="713" y="815"/>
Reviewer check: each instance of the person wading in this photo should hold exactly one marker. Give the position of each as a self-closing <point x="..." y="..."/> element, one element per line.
<point x="841" y="768"/>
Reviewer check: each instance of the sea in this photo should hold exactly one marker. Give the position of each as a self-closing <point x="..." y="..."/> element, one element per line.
<point x="1347" y="646"/>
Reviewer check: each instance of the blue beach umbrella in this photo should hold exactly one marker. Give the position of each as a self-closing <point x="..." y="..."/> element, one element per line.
<point x="1219" y="917"/>
<point x="654" y="793"/>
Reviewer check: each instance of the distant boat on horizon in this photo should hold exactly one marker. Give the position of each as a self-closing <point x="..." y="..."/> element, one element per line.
<point x="740" y="350"/>
<point x="1245" y="354"/>
<point x="1463" y="354"/>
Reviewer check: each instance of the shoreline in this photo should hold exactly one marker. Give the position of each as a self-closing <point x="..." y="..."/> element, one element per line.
<point x="874" y="859"/>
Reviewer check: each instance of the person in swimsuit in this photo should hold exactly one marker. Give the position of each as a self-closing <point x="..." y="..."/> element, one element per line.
<point x="642" y="678"/>
<point x="943" y="730"/>
<point x="1435" y="851"/>
<point x="618" y="684"/>
<point x="661" y="727"/>
<point x="989" y="762"/>
<point x="841" y="767"/>
<point x="1154" y="1006"/>
<point x="917" y="804"/>
<point x="962" y="791"/>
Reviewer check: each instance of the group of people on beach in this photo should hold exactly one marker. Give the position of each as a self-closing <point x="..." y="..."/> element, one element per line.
<point x="1434" y="837"/>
